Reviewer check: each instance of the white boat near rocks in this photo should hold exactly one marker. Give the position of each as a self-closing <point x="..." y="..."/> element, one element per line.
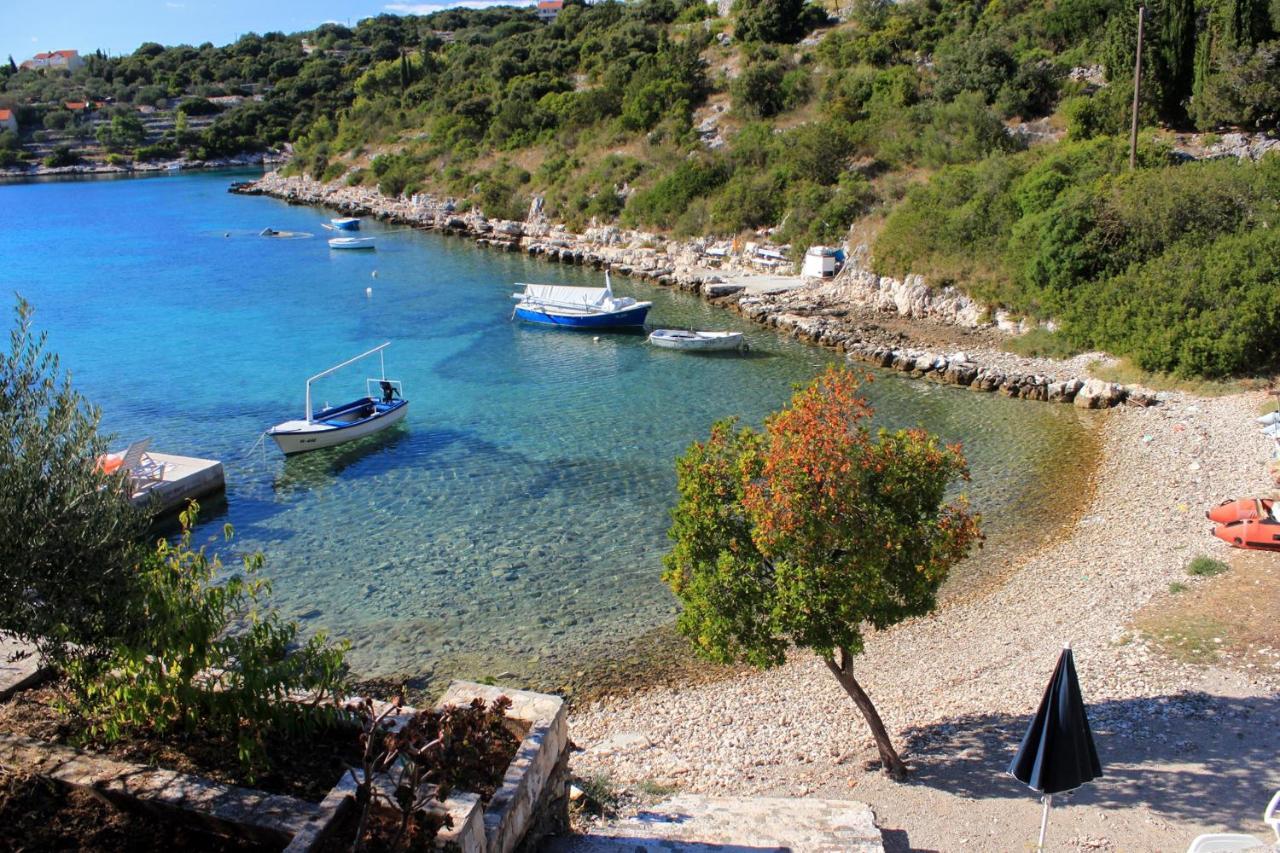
<point x="351" y="243"/>
<point x="335" y="425"/>
<point x="694" y="341"/>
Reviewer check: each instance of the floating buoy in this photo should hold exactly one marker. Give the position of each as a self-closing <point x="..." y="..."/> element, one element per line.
<point x="226" y="234"/>
<point x="596" y="339"/>
<point x="374" y="274"/>
<point x="368" y="291"/>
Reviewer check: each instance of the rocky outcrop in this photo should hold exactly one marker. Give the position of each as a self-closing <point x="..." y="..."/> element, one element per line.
<point x="908" y="297"/>
<point x="818" y="312"/>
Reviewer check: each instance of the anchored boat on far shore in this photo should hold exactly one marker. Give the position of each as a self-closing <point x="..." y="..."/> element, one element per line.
<point x="334" y="425"/>
<point x="579" y="307"/>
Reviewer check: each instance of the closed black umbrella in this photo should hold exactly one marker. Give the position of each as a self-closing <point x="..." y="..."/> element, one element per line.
<point x="1057" y="753"/>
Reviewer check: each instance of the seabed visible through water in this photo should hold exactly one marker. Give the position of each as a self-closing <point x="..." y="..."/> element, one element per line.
<point x="514" y="525"/>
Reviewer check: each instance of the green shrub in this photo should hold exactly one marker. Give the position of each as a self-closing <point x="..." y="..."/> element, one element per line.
<point x="758" y="91"/>
<point x="1206" y="567"/>
<point x="68" y="533"/>
<point x="63" y="155"/>
<point x="663" y="203"/>
<point x="210" y="658"/>
<point x="968" y="64"/>
<point x="1245" y="90"/>
<point x="1041" y="343"/>
<point x="781" y="21"/>
<point x="1195" y="310"/>
<point x="160" y="151"/>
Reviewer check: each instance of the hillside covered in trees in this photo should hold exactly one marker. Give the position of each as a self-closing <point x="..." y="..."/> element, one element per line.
<point x="983" y="144"/>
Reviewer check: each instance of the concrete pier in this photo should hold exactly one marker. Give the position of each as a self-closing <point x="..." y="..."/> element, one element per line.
<point x="185" y="478"/>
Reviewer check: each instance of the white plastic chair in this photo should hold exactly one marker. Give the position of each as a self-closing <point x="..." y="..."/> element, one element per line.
<point x="1229" y="842"/>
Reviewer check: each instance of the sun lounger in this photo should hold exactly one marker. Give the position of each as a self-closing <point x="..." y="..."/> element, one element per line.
<point x="136" y="463"/>
<point x="1228" y="842"/>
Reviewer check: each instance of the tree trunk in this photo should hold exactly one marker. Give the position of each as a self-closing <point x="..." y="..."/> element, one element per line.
<point x="843" y="671"/>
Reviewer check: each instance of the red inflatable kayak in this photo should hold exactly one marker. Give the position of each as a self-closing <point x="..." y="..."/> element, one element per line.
<point x="1247" y="523"/>
<point x="1244" y="509"/>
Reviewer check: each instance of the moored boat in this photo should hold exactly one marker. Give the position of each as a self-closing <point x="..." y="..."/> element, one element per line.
<point x="346" y="223"/>
<point x="333" y="425"/>
<point x="351" y="243"/>
<point x="579" y="307"/>
<point x="696" y="341"/>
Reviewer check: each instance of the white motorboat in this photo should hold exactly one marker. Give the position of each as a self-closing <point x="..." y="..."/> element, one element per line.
<point x="333" y="425"/>
<point x="688" y="339"/>
<point x="351" y="243"/>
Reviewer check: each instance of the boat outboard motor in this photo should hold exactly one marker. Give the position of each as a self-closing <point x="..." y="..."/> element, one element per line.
<point x="388" y="391"/>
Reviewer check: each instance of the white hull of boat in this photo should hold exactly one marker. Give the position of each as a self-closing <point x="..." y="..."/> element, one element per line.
<point x="351" y="243"/>
<point x="679" y="339"/>
<point x="300" y="436"/>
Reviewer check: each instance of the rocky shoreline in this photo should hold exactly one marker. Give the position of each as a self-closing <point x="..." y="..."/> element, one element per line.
<point x="840" y="313"/>
<point x="146" y="167"/>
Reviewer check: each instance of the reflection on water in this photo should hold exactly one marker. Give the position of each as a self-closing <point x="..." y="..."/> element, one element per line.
<point x="515" y="521"/>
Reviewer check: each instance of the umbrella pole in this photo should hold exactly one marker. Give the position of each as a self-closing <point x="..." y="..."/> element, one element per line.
<point x="1044" y="820"/>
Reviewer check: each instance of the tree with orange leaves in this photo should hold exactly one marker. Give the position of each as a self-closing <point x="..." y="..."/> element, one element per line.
<point x="807" y="532"/>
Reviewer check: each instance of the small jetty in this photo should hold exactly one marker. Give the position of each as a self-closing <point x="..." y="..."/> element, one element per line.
<point x="183" y="479"/>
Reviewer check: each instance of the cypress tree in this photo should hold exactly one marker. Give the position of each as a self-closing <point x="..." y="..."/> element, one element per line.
<point x="1175" y="58"/>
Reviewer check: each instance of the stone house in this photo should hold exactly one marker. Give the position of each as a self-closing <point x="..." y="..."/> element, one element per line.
<point x="548" y="9"/>
<point x="8" y="121"/>
<point x="57" y="60"/>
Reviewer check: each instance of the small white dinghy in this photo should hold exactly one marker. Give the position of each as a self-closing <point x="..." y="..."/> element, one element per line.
<point x="351" y="243"/>
<point x="687" y="339"/>
<point x="335" y="425"/>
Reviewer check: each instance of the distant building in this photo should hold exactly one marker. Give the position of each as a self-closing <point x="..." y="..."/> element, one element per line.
<point x="8" y="121"/>
<point x="548" y="9"/>
<point x="226" y="100"/>
<point x="76" y="106"/>
<point x="57" y="60"/>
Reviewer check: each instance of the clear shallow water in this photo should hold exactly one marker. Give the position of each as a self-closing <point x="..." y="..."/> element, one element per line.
<point x="516" y="522"/>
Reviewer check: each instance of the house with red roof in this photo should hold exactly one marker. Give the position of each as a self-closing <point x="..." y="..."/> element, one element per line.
<point x="57" y="60"/>
<point x="548" y="9"/>
<point x="8" y="121"/>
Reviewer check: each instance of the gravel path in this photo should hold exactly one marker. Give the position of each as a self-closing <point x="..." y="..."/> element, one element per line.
<point x="1184" y="747"/>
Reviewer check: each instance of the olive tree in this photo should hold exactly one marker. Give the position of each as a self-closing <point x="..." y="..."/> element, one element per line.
<point x="68" y="534"/>
<point x="811" y="530"/>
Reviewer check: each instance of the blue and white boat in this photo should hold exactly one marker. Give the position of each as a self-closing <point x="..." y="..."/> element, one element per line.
<point x="579" y="307"/>
<point x="346" y="223"/>
<point x="333" y="425"/>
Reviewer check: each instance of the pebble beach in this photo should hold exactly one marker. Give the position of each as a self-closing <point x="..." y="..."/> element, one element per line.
<point x="956" y="688"/>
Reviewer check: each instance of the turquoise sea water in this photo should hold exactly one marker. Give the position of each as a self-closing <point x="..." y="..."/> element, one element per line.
<point x="516" y="521"/>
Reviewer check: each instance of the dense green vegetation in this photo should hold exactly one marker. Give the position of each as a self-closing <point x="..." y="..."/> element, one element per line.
<point x="660" y="115"/>
<point x="151" y="638"/>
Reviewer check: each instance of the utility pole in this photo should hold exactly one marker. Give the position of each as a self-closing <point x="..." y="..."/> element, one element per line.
<point x="1137" y="88"/>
